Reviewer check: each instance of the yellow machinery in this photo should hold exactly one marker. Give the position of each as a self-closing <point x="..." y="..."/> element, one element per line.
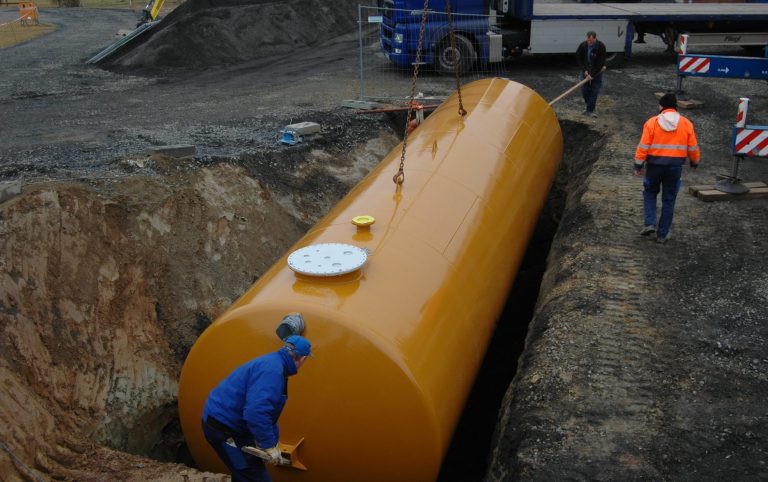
<point x="397" y="343"/>
<point x="150" y="11"/>
<point x="147" y="21"/>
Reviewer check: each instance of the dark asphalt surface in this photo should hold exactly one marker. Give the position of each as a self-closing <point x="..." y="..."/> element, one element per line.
<point x="61" y="118"/>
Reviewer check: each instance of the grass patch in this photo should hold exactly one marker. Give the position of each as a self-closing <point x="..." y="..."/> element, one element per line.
<point x="13" y="33"/>
<point x="127" y="4"/>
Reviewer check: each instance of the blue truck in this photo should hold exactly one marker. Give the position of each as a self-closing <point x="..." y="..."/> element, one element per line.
<point x="488" y="31"/>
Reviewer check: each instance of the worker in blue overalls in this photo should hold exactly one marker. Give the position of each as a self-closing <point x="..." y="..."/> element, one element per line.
<point x="243" y="409"/>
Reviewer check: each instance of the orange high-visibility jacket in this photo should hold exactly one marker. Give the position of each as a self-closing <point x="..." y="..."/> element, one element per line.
<point x="668" y="139"/>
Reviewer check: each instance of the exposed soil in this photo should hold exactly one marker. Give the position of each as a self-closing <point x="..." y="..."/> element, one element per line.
<point x="643" y="361"/>
<point x="647" y="361"/>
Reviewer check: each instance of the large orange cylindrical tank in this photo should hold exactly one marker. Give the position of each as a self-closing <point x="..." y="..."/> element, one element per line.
<point x="398" y="343"/>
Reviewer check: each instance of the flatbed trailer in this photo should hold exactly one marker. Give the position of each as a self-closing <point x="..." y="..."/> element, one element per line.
<point x="652" y="12"/>
<point x="491" y="30"/>
<point x="665" y="19"/>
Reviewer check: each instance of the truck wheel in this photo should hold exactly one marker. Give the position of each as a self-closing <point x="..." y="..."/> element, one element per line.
<point x="464" y="54"/>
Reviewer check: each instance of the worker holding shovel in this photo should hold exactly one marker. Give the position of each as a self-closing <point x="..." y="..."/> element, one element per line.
<point x="591" y="54"/>
<point x="243" y="410"/>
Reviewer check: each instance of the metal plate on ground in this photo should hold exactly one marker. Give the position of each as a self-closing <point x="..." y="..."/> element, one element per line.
<point x="328" y="259"/>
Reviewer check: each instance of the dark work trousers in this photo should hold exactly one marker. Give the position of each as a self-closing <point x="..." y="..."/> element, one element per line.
<point x="666" y="179"/>
<point x="590" y="90"/>
<point x="244" y="467"/>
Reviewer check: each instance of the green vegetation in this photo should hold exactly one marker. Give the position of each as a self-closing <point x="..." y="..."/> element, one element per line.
<point x="13" y="33"/>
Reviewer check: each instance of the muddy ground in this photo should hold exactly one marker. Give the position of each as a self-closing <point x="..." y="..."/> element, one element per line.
<point x="642" y="362"/>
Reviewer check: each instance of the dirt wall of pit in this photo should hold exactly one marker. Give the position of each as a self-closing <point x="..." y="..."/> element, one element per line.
<point x="105" y="285"/>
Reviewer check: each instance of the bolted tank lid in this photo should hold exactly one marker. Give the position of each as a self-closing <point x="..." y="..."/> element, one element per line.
<point x="327" y="259"/>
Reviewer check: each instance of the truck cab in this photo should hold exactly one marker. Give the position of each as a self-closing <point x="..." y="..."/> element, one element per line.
<point x="401" y="24"/>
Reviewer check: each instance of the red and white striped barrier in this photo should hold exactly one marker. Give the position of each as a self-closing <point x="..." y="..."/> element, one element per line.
<point x="751" y="142"/>
<point x="695" y="65"/>
<point x="748" y="140"/>
<point x="741" y="117"/>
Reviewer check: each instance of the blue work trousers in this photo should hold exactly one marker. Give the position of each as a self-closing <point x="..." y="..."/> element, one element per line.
<point x="590" y="90"/>
<point x="666" y="179"/>
<point x="244" y="467"/>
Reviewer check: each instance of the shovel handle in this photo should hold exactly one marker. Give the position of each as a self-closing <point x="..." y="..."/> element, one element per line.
<point x="574" y="88"/>
<point x="263" y="455"/>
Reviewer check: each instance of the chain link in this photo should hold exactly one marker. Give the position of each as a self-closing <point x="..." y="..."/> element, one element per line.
<point x="454" y="53"/>
<point x="399" y="178"/>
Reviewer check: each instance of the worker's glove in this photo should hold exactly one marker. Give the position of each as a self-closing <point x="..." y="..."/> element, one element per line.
<point x="639" y="168"/>
<point x="694" y="166"/>
<point x="274" y="456"/>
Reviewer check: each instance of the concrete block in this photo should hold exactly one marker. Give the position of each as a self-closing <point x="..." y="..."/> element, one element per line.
<point x="304" y="128"/>
<point x="177" y="150"/>
<point x="9" y="189"/>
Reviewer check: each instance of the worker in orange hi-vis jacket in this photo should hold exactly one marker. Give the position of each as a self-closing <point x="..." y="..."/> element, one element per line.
<point x="668" y="140"/>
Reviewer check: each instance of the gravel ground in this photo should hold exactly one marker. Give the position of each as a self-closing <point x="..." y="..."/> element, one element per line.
<point x="62" y="118"/>
<point x="646" y="361"/>
<point x="642" y="361"/>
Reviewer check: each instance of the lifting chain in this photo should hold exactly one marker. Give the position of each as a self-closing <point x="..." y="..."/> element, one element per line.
<point x="400" y="176"/>
<point x="454" y="53"/>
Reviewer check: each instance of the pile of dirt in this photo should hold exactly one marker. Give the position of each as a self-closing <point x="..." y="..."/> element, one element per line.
<point x="206" y="33"/>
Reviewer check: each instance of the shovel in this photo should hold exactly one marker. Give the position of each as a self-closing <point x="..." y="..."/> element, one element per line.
<point x="288" y="455"/>
<point x="584" y="81"/>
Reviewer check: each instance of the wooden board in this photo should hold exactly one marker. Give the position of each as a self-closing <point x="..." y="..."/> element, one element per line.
<point x="708" y="193"/>
<point x="710" y="187"/>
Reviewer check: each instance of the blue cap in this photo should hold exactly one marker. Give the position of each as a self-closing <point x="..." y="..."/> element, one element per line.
<point x="298" y="345"/>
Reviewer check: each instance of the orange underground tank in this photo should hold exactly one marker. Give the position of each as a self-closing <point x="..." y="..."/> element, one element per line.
<point x="397" y="343"/>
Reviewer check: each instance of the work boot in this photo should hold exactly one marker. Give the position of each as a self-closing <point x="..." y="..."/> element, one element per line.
<point x="664" y="239"/>
<point x="647" y="229"/>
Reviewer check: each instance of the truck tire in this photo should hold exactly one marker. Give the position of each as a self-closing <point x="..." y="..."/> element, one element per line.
<point x="464" y="54"/>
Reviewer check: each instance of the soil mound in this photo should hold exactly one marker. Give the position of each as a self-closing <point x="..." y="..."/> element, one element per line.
<point x="205" y="33"/>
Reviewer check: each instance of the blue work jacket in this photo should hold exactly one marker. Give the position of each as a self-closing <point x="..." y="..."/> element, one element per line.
<point x="251" y="398"/>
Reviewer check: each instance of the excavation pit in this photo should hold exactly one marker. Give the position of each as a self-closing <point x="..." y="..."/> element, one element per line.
<point x="107" y="284"/>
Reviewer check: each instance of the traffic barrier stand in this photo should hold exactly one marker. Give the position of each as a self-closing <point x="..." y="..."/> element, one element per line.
<point x="746" y="141"/>
<point x="28" y="14"/>
<point x="699" y="65"/>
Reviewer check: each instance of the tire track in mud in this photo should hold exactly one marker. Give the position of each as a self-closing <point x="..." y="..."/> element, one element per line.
<point x="607" y="382"/>
<point x="643" y="361"/>
<point x="716" y="425"/>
